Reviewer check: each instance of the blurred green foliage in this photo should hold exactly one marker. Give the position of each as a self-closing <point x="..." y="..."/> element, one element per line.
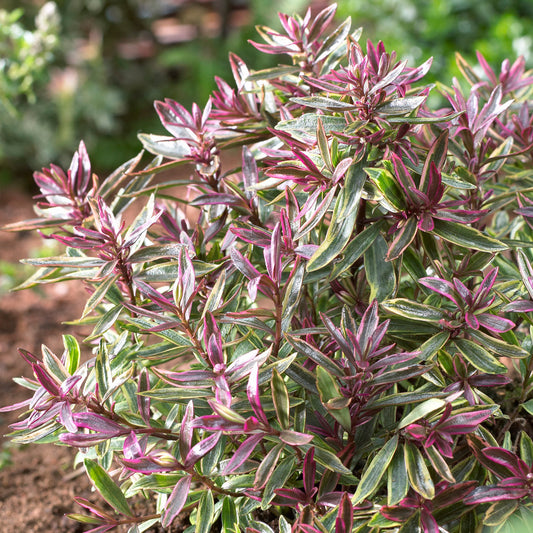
<point x="418" y="29"/>
<point x="91" y="69"/>
<point x="108" y="66"/>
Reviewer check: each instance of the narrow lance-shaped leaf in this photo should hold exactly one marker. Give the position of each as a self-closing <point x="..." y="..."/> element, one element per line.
<point x="107" y="487"/>
<point x="373" y="473"/>
<point x="419" y="476"/>
<point x="176" y="501"/>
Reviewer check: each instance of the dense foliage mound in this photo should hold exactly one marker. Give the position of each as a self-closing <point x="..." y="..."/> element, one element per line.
<point x="335" y="336"/>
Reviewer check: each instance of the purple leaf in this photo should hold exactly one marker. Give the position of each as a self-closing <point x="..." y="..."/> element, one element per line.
<point x="242" y="453"/>
<point x="200" y="449"/>
<point x="176" y="501"/>
<point x="344" y="520"/>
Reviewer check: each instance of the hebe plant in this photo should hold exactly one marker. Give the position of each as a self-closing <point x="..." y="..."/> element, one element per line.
<point x="337" y="335"/>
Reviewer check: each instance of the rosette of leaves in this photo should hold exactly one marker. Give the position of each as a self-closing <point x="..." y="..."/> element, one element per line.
<point x="319" y="339"/>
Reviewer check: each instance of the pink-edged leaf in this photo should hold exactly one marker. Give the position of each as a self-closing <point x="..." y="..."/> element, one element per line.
<point x="186" y="430"/>
<point x="442" y="287"/>
<point x="243" y="452"/>
<point x="243" y="265"/>
<point x="428" y="522"/>
<point x="83" y="440"/>
<point x="289" y="497"/>
<point x="99" y="423"/>
<point x="344" y="520"/>
<point x="45" y="380"/>
<point x="213" y="340"/>
<point x="200" y="449"/>
<point x="403" y="238"/>
<point x="506" y="459"/>
<point x="253" y="393"/>
<point x="472" y="320"/>
<point x="66" y="418"/>
<point x="519" y="306"/>
<point x="494" y="323"/>
<point x="309" y="470"/>
<point x="295" y="438"/>
<point x="176" y="501"/>
<point x="489" y="494"/>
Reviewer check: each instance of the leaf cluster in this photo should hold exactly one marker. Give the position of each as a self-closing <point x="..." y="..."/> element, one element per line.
<point x="336" y="331"/>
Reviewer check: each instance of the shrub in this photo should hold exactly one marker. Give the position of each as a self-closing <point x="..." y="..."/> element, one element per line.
<point x="334" y="336"/>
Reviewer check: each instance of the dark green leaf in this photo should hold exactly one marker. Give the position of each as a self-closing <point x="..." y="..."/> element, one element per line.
<point x="479" y="357"/>
<point x="375" y="470"/>
<point x="206" y="513"/>
<point x="466" y="236"/>
<point x="499" y="512"/>
<point x="280" y="397"/>
<point x="397" y="480"/>
<point x="356" y="248"/>
<point x="419" y="476"/>
<point x="413" y="310"/>
<point x="503" y="349"/>
<point x="379" y="272"/>
<point x="107" y="487"/>
<point x="277" y="480"/>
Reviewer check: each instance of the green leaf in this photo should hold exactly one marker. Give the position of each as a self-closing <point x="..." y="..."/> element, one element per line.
<point x="499" y="512"/>
<point x="374" y="472"/>
<point x="280" y="397"/>
<point x="419" y="476"/>
<point x="328" y="460"/>
<point x="404" y="398"/>
<point x="73" y="353"/>
<point x="315" y="355"/>
<point x="321" y="102"/>
<point x="528" y="406"/>
<point x="292" y="296"/>
<point x="277" y="480"/>
<point x="388" y="187"/>
<point x="205" y="513"/>
<point x="479" y="357"/>
<point x="466" y="236"/>
<point x="107" y="320"/>
<point x="379" y="272"/>
<point x="164" y="145"/>
<point x="104" y="376"/>
<point x="421" y="411"/>
<point x="401" y="106"/>
<point x="229" y="516"/>
<point x="397" y="480"/>
<point x="502" y="349"/>
<point x="433" y="345"/>
<point x="413" y="310"/>
<point x="526" y="448"/>
<point x="332" y="399"/>
<point x="342" y="220"/>
<point x="439" y="464"/>
<point x="107" y="487"/>
<point x="265" y="469"/>
<point x="356" y="248"/>
<point x="99" y="294"/>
